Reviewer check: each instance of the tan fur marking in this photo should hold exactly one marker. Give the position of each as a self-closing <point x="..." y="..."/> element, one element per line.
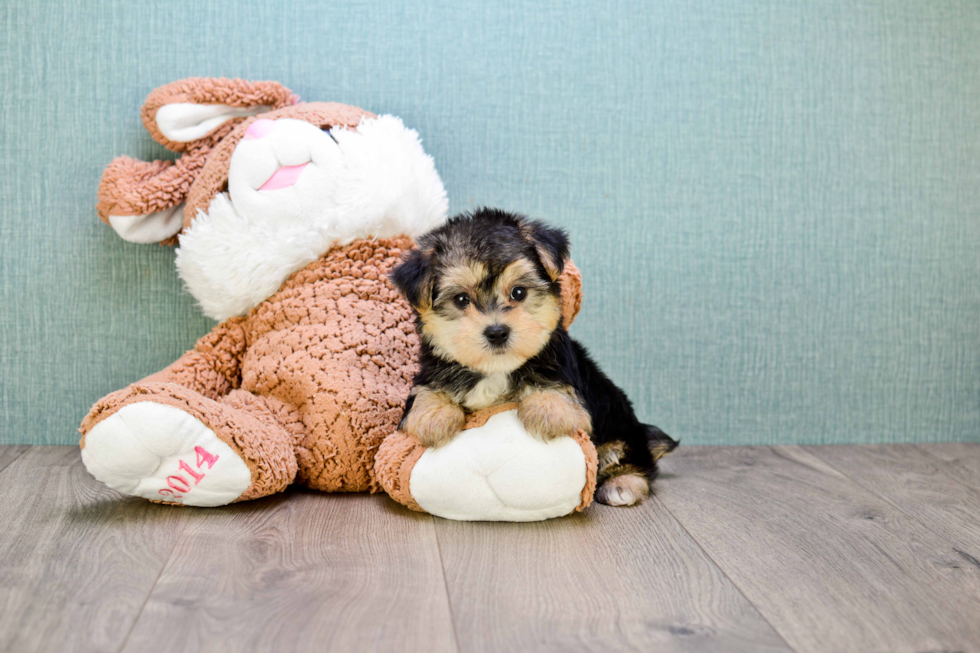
<point x="531" y="326"/>
<point x="661" y="449"/>
<point x="610" y="454"/>
<point x="459" y="337"/>
<point x="618" y="470"/>
<point x="467" y="275"/>
<point x="434" y="419"/>
<point x="549" y="414"/>
<point x="509" y="277"/>
<point x="623" y="490"/>
<point x="550" y="265"/>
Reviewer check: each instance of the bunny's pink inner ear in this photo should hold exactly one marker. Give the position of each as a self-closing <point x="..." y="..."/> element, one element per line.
<point x="184" y="122"/>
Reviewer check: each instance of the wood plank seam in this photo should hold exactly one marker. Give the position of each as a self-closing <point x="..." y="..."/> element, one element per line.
<point x="953" y="472"/>
<point x="313" y="557"/>
<point x="149" y="593"/>
<point x="61" y="558"/>
<point x="724" y="573"/>
<point x="445" y="585"/>
<point x="4" y="464"/>
<point x="604" y="579"/>
<point x="826" y="544"/>
<point x="887" y="499"/>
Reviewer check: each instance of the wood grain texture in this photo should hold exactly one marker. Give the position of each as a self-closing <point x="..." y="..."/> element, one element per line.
<point x="301" y="571"/>
<point x="832" y="566"/>
<point x="610" y="579"/>
<point x="10" y="453"/>
<point x="845" y="548"/>
<point x="961" y="460"/>
<point x="922" y="486"/>
<point x="77" y="560"/>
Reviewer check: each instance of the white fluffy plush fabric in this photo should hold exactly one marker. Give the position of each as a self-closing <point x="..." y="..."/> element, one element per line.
<point x="499" y="472"/>
<point x="141" y="448"/>
<point x="151" y="228"/>
<point x="375" y="181"/>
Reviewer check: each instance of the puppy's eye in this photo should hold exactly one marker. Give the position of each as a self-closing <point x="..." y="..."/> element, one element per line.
<point x="462" y="300"/>
<point x="518" y="293"/>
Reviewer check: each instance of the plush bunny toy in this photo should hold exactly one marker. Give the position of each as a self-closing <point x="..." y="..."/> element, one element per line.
<point x="289" y="217"/>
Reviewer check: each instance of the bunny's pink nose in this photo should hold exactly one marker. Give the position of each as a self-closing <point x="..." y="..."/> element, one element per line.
<point x="259" y="129"/>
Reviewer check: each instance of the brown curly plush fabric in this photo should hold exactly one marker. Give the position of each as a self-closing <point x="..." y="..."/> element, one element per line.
<point x="133" y="187"/>
<point x="571" y="293"/>
<point x="393" y="467"/>
<point x="400" y="451"/>
<point x="317" y="374"/>
<point x="241" y="420"/>
<point x="307" y="386"/>
<point x="591" y="469"/>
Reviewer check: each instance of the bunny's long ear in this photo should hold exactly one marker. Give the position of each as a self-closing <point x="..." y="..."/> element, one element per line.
<point x="185" y="111"/>
<point x="142" y="200"/>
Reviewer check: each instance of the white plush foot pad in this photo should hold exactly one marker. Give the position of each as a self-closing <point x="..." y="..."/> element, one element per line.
<point x="160" y="452"/>
<point x="499" y="472"/>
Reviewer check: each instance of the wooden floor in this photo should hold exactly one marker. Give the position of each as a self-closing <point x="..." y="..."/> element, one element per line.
<point x="844" y="548"/>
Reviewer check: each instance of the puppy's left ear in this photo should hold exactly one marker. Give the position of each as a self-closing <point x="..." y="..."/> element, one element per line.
<point x="413" y="278"/>
<point x="551" y="244"/>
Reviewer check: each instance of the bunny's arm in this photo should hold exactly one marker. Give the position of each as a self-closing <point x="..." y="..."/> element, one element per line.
<point x="213" y="367"/>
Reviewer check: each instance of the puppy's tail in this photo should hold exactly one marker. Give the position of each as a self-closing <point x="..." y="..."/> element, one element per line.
<point x="660" y="443"/>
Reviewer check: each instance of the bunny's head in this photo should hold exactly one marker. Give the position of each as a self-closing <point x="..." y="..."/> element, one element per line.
<point x="265" y="185"/>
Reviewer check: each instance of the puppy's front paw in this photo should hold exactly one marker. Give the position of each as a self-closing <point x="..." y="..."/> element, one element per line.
<point x="434" y="419"/>
<point x="548" y="414"/>
<point x="439" y="425"/>
<point x="624" y="490"/>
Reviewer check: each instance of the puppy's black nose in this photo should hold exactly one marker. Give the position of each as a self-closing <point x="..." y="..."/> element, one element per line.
<point x="497" y="334"/>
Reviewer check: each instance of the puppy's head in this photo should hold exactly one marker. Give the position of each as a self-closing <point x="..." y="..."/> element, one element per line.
<point x="485" y="287"/>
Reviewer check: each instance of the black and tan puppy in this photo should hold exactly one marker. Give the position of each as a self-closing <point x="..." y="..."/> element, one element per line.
<point x="486" y="292"/>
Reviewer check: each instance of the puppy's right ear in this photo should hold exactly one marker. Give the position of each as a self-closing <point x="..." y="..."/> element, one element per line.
<point x="551" y="245"/>
<point x="414" y="277"/>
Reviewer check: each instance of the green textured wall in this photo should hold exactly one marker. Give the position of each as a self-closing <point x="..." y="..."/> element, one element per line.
<point x="776" y="204"/>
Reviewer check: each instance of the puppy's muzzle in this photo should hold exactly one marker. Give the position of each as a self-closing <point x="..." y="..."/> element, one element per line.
<point x="497" y="335"/>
